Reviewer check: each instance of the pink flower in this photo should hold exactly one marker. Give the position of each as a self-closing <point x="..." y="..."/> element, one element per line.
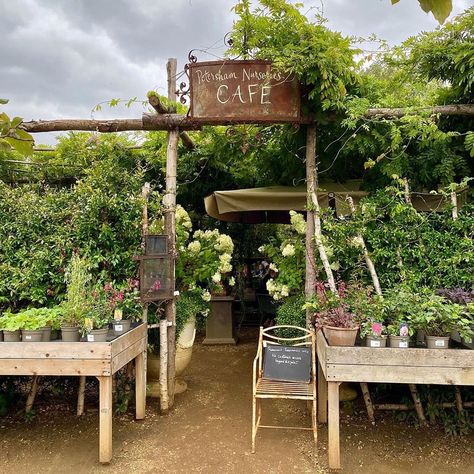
<point x="377" y="329"/>
<point x="107" y="287"/>
<point x="156" y="286"/>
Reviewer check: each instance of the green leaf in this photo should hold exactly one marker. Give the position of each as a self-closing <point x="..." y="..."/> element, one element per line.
<point x="3" y="101"/>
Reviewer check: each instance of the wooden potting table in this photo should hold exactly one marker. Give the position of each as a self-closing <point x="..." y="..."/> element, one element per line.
<point x="384" y="365"/>
<point x="97" y="359"/>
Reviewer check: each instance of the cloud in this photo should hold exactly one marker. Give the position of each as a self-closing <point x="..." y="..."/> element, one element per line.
<point x="59" y="58"/>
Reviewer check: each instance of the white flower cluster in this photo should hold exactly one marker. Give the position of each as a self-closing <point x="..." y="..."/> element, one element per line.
<point x="277" y="290"/>
<point x="298" y="222"/>
<point x="288" y="250"/>
<point x="357" y="241"/>
<point x="182" y="217"/>
<point x="194" y="246"/>
<point x="224" y="263"/>
<point x="216" y="278"/>
<point x="206" y="296"/>
<point x="273" y="267"/>
<point x="207" y="235"/>
<point x="231" y="281"/>
<point x="224" y="244"/>
<point x="261" y="249"/>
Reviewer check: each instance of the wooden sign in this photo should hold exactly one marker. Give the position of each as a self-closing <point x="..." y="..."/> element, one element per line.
<point x="287" y="363"/>
<point x="242" y="91"/>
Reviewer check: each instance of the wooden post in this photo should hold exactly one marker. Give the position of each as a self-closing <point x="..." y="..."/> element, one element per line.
<point x="333" y="426"/>
<point x="32" y="394"/>
<point x="164" y="400"/>
<point x="322" y="396"/>
<point x="368" y="401"/>
<point x="368" y="259"/>
<point x="169" y="202"/>
<point x="105" y="419"/>
<point x="310" y="277"/>
<point x="454" y="202"/>
<point x="312" y="176"/>
<point x="140" y="385"/>
<point x="81" y="395"/>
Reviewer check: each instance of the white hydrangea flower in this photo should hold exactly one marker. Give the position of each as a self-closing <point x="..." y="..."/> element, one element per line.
<point x="273" y="267"/>
<point x="288" y="250"/>
<point x="298" y="222"/>
<point x="284" y="291"/>
<point x="357" y="241"/>
<point x="194" y="246"/>
<point x="231" y="281"/>
<point x="206" y="296"/>
<point x="224" y="244"/>
<point x="261" y="249"/>
<point x="216" y="278"/>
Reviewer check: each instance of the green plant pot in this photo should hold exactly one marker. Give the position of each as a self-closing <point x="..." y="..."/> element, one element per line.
<point x="376" y="341"/>
<point x="32" y="336"/>
<point x="97" y="335"/>
<point x="11" y="336"/>
<point x="437" y="342"/>
<point x="399" y="342"/>
<point x="121" y="327"/>
<point x="70" y="333"/>
<point x="46" y="333"/>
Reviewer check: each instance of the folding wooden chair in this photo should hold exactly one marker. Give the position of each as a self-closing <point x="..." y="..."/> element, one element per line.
<point x="266" y="388"/>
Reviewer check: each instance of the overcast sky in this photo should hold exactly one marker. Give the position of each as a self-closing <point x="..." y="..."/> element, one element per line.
<point x="59" y="58"/>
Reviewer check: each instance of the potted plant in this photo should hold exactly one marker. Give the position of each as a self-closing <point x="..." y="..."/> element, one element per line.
<point x="78" y="281"/>
<point x="398" y="335"/>
<point x="374" y="333"/>
<point x="96" y="324"/>
<point x="10" y="325"/>
<point x="438" y="318"/>
<point x="334" y="317"/>
<point x="124" y="302"/>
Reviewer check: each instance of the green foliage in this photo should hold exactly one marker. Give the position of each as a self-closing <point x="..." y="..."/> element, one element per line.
<point x="12" y="136"/>
<point x="292" y="313"/>
<point x="188" y="305"/>
<point x="32" y="319"/>
<point x="441" y="9"/>
<point x="277" y="30"/>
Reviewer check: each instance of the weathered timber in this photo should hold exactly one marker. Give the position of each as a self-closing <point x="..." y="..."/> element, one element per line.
<point x="451" y="109"/>
<point x="310" y="275"/>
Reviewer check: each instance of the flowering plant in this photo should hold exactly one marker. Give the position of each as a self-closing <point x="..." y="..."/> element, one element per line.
<point x="123" y="299"/>
<point x="332" y="309"/>
<point x="287" y="254"/>
<point x="204" y="257"/>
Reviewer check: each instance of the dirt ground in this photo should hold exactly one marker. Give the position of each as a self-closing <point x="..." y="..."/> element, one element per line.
<point x="209" y="432"/>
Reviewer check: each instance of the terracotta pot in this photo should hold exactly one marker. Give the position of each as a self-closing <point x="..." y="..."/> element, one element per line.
<point x="46" y="333"/>
<point x="340" y="336"/>
<point x="399" y="342"/>
<point x="32" y="336"/>
<point x="98" y="335"/>
<point x="376" y="341"/>
<point x="121" y="327"/>
<point x="11" y="336"/>
<point x="70" y="333"/>
<point x="437" y="342"/>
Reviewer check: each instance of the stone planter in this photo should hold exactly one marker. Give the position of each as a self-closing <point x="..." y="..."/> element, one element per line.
<point x="376" y="341"/>
<point x="97" y="335"/>
<point x="399" y="342"/>
<point x="70" y="333"/>
<point x="340" y="336"/>
<point x="121" y="327"/>
<point x="11" y="336"/>
<point x="32" y="336"/>
<point x="184" y="351"/>
<point x="46" y="333"/>
<point x="437" y="342"/>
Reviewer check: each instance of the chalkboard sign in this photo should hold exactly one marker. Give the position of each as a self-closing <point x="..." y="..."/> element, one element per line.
<point x="287" y="363"/>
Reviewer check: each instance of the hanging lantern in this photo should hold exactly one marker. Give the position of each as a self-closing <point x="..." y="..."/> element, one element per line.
<point x="156" y="270"/>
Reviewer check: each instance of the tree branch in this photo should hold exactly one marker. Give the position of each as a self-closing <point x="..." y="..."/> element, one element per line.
<point x="451" y="109"/>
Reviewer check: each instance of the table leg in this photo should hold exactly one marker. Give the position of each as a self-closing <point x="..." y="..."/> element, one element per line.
<point x="105" y="419"/>
<point x="140" y="385"/>
<point x="322" y="397"/>
<point x="333" y="426"/>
